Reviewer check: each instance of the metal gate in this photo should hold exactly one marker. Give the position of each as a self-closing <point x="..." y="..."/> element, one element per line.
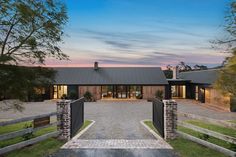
<point x="77" y="116"/>
<point x="158" y="116"/>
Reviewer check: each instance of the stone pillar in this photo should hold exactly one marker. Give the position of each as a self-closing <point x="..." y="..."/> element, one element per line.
<point x="170" y="119"/>
<point x="64" y="119"/>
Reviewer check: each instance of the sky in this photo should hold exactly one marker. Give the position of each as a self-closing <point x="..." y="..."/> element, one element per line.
<point x="143" y="32"/>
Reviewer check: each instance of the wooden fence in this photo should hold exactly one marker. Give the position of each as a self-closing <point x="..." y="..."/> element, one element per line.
<point x="210" y="133"/>
<point x="210" y="120"/>
<point x="25" y="131"/>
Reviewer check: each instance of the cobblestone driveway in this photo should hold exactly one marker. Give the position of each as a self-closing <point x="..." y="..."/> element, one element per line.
<point x="118" y="119"/>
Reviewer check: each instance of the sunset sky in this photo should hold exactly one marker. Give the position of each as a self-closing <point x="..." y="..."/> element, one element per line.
<point x="143" y="32"/>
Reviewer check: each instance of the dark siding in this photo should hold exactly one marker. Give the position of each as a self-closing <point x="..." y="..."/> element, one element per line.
<point x="72" y="89"/>
<point x="190" y="91"/>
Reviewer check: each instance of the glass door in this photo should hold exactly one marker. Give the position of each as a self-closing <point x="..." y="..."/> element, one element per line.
<point x="121" y="92"/>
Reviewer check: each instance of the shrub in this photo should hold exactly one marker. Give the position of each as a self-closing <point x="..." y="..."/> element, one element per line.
<point x="204" y="136"/>
<point x="88" y="96"/>
<point x="233" y="147"/>
<point x="159" y="94"/>
<point x="28" y="135"/>
<point x="64" y="96"/>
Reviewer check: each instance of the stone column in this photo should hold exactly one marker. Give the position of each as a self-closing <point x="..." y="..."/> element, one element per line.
<point x="64" y="119"/>
<point x="170" y="119"/>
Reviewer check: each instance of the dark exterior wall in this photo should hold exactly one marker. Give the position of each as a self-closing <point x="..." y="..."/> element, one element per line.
<point x="168" y="92"/>
<point x="190" y="91"/>
<point x="72" y="90"/>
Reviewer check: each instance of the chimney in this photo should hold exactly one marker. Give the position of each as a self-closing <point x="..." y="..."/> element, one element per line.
<point x="175" y="72"/>
<point x="95" y="66"/>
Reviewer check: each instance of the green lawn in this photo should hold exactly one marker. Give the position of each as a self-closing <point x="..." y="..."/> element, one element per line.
<point x="5" y="143"/>
<point x="208" y="138"/>
<point x="186" y="148"/>
<point x="41" y="149"/>
<point x="232" y="121"/>
<point x="13" y="127"/>
<point x="86" y="123"/>
<point x="213" y="127"/>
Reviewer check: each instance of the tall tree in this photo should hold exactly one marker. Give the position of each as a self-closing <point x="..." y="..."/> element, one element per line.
<point x="31" y="30"/>
<point x="184" y="67"/>
<point x="227" y="76"/>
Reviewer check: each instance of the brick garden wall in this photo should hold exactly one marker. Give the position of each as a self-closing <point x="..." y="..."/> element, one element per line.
<point x="64" y="119"/>
<point x="170" y="119"/>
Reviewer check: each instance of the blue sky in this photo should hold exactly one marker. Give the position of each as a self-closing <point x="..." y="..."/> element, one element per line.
<point x="143" y="32"/>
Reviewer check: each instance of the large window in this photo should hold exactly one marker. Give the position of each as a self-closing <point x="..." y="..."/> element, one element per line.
<point x="107" y="91"/>
<point x="59" y="91"/>
<point x="135" y="91"/>
<point x="121" y="92"/>
<point x="178" y="91"/>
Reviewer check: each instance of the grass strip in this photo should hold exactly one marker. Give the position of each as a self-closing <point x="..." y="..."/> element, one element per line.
<point x="187" y="148"/>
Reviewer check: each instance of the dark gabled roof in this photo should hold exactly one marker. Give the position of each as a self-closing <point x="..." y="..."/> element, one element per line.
<point x="110" y="75"/>
<point x="201" y="76"/>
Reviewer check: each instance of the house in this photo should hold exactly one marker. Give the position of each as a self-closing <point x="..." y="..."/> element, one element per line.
<point x="109" y="82"/>
<point x="138" y="83"/>
<point x="198" y="85"/>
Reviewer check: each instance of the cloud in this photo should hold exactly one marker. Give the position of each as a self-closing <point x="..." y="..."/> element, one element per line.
<point x="118" y="44"/>
<point x="146" y="48"/>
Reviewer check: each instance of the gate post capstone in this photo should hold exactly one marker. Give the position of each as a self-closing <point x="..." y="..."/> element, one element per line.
<point x="170" y="119"/>
<point x="64" y="119"/>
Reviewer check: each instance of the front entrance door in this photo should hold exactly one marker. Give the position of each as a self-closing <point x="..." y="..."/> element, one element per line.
<point x="121" y="91"/>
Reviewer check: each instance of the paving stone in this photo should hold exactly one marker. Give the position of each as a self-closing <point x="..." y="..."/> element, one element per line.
<point x="117" y="144"/>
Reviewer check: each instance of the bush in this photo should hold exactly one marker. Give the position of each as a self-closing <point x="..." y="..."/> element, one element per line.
<point x="204" y="136"/>
<point x="233" y="147"/>
<point x="88" y="96"/>
<point x="28" y="135"/>
<point x="64" y="96"/>
<point x="159" y="94"/>
<point x="35" y="97"/>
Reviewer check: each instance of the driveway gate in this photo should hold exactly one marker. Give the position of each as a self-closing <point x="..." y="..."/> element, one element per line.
<point x="158" y="116"/>
<point x="77" y="115"/>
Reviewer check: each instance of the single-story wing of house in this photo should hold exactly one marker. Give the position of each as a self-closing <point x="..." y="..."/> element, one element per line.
<point x="199" y="85"/>
<point x="110" y="82"/>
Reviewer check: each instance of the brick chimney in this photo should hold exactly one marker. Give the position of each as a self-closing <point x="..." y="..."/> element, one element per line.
<point x="95" y="66"/>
